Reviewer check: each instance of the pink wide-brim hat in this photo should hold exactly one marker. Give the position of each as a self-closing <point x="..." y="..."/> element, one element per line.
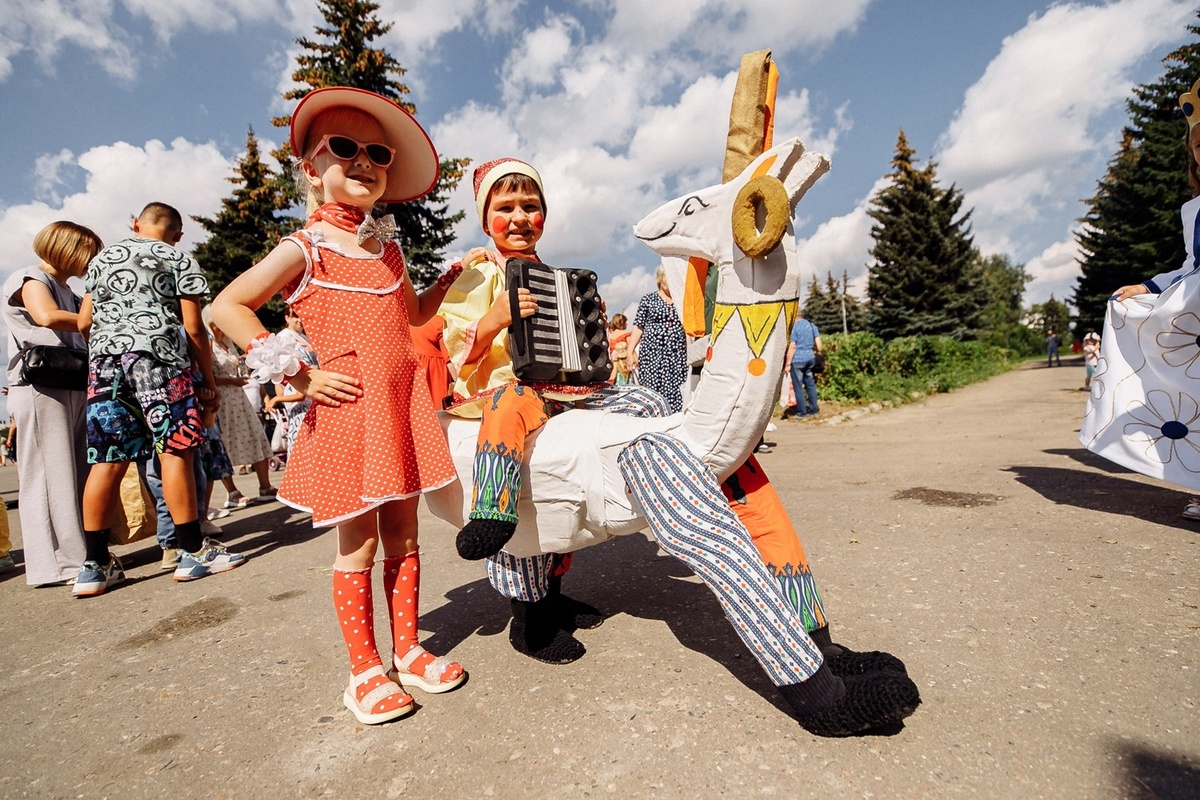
<point x="413" y="172"/>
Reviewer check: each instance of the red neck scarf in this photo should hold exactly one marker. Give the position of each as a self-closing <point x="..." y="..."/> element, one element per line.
<point x="339" y="215"/>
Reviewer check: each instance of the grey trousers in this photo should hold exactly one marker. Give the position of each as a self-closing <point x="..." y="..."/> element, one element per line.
<point x="51" y="468"/>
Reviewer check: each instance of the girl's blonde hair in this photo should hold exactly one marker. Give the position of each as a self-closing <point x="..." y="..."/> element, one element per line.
<point x="334" y="116"/>
<point x="67" y="246"/>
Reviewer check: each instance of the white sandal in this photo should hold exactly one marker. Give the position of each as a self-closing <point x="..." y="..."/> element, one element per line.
<point x="362" y="710"/>
<point x="431" y="681"/>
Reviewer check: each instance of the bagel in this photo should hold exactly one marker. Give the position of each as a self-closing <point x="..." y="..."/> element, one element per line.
<point x="768" y="192"/>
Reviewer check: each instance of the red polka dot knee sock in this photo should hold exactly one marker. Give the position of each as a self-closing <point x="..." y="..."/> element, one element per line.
<point x="355" y="610"/>
<point x="402" y="584"/>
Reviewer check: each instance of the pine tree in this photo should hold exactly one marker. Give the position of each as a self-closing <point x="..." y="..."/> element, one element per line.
<point x="245" y="228"/>
<point x="832" y="308"/>
<point x="922" y="280"/>
<point x="818" y="306"/>
<point x="856" y="312"/>
<point x="1131" y="230"/>
<point x="342" y="55"/>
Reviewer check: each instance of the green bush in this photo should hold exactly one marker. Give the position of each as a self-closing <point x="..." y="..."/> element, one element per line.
<point x="1021" y="340"/>
<point x="861" y="367"/>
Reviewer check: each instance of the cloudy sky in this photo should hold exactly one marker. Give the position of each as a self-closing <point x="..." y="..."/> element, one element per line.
<point x="108" y="104"/>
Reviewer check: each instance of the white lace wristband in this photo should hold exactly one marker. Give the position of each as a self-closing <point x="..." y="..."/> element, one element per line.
<point x="273" y="360"/>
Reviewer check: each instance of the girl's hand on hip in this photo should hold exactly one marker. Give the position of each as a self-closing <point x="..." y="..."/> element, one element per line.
<point x="327" y="388"/>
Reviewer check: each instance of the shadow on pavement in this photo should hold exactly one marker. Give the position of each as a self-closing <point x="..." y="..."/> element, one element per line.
<point x="1106" y="493"/>
<point x="1149" y="773"/>
<point x="1090" y="459"/>
<point x="625" y="576"/>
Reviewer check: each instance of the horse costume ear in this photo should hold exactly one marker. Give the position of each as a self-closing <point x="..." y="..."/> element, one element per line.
<point x="807" y="170"/>
<point x="751" y="114"/>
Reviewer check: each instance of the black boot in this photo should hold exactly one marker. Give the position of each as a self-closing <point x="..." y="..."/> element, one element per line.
<point x="843" y="661"/>
<point x="573" y="614"/>
<point x="537" y="632"/>
<point x="827" y="705"/>
<point x="481" y="538"/>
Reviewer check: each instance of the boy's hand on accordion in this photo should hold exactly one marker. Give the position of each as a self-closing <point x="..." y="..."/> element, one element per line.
<point x="327" y="388"/>
<point x="526" y="302"/>
<point x="501" y="311"/>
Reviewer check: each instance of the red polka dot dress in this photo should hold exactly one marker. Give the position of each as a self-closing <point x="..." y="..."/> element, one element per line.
<point x="387" y="445"/>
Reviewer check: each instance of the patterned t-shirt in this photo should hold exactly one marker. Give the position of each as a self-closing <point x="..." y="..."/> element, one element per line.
<point x="135" y="286"/>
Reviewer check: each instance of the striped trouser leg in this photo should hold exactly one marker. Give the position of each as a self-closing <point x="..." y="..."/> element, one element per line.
<point x="633" y="401"/>
<point x="692" y="521"/>
<point x="520" y="578"/>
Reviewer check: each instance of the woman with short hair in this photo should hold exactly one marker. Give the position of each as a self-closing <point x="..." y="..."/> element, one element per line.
<point x="40" y="309"/>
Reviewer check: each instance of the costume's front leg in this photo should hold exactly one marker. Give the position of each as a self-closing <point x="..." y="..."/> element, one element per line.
<point x="752" y="497"/>
<point x="692" y="520"/>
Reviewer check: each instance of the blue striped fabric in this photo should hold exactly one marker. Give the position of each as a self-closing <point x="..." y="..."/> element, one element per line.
<point x="632" y="401"/>
<point x="520" y="578"/>
<point x="691" y="520"/>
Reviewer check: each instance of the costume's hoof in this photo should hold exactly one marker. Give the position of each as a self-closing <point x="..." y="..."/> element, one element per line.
<point x="537" y="633"/>
<point x="870" y="701"/>
<point x="481" y="538"/>
<point x="845" y="662"/>
<point x="577" y="615"/>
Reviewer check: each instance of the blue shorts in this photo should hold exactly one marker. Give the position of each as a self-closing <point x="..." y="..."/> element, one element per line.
<point x="137" y="404"/>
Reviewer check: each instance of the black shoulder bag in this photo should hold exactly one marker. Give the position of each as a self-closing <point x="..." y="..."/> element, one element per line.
<point x="54" y="367"/>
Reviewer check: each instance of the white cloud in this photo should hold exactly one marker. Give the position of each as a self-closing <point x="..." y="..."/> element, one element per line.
<point x="1054" y="271"/>
<point x="739" y="26"/>
<point x="840" y="245"/>
<point x="48" y="175"/>
<point x="47" y="26"/>
<point x="622" y="292"/>
<point x="121" y="179"/>
<point x="169" y="17"/>
<point x="1045" y="104"/>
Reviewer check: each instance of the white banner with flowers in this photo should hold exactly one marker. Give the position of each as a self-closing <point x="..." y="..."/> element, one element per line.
<point x="1142" y="412"/>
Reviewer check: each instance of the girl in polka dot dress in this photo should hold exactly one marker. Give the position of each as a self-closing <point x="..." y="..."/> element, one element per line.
<point x="369" y="444"/>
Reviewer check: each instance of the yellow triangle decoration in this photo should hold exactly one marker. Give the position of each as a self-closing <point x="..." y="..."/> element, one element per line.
<point x="722" y="313"/>
<point x="758" y="321"/>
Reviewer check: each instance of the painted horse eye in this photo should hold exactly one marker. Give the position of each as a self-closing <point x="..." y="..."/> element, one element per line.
<point x="692" y="205"/>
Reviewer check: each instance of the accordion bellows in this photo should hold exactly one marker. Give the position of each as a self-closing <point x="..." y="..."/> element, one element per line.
<point x="566" y="340"/>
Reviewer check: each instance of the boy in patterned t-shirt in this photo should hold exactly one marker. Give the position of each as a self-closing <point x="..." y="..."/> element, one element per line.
<point x="143" y="309"/>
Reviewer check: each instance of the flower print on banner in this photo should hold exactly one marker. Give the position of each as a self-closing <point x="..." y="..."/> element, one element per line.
<point x="1098" y="381"/>
<point x="1180" y="344"/>
<point x="1166" y="423"/>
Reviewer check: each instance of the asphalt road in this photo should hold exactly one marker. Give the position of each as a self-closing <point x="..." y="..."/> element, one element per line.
<point x="1044" y="600"/>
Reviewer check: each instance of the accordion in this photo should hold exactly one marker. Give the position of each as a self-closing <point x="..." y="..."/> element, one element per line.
<point x="565" y="341"/>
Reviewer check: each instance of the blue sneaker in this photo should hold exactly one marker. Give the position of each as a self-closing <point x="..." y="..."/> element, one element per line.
<point x="211" y="558"/>
<point x="94" y="579"/>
